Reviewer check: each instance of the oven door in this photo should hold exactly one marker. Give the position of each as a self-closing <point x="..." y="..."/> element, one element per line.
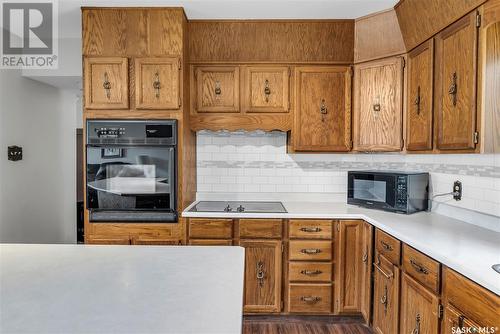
<point x="372" y="190"/>
<point x="131" y="183"/>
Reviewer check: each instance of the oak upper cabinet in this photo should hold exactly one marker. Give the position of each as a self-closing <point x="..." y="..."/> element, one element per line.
<point x="157" y="84"/>
<point x="385" y="297"/>
<point x="419" y="308"/>
<point x="216" y="89"/>
<point x="377" y="115"/>
<point x="456" y="76"/>
<point x="366" y="270"/>
<point x="266" y="89"/>
<point x="350" y="264"/>
<point x="106" y="82"/>
<point x="262" y="276"/>
<point x="322" y="108"/>
<point x="420" y="97"/>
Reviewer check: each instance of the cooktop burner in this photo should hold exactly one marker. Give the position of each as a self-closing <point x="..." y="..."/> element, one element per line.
<point x="238" y="207"/>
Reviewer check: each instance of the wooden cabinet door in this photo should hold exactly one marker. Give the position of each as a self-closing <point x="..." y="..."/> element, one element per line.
<point x="455" y="322"/>
<point x="217" y="89"/>
<point x="262" y="276"/>
<point x="377" y="115"/>
<point x="349" y="266"/>
<point x="419" y="308"/>
<point x="456" y="75"/>
<point x="366" y="271"/>
<point x="106" y="82"/>
<point x="266" y="89"/>
<point x="157" y="83"/>
<point x="323" y="108"/>
<point x="385" y="297"/>
<point x="419" y="107"/>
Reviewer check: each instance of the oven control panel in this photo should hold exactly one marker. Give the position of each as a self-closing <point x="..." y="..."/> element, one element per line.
<point x="109" y="132"/>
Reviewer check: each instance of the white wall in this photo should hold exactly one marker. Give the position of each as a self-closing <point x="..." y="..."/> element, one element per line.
<point x="37" y="194"/>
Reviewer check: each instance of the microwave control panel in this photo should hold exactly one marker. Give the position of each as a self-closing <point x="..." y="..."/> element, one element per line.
<point x="401" y="192"/>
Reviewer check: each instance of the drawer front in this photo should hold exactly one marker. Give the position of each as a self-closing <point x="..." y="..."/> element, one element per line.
<point x="310" y="298"/>
<point x="422" y="268"/>
<point x="310" y="250"/>
<point x="210" y="242"/>
<point x="310" y="271"/>
<point x="260" y="228"/>
<point x="210" y="228"/>
<point x="311" y="229"/>
<point x="388" y="246"/>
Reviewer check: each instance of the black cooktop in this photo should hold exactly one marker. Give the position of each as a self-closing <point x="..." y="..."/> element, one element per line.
<point x="238" y="207"/>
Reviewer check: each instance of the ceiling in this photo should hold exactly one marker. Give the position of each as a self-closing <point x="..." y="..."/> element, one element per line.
<point x="69" y="10"/>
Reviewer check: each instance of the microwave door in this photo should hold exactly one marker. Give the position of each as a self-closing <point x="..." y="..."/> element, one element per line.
<point x="373" y="189"/>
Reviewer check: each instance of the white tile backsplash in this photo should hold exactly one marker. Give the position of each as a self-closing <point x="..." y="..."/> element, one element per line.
<point x="256" y="163"/>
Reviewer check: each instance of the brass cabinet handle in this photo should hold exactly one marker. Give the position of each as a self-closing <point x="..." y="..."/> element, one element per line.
<point x="322" y="107"/>
<point x="453" y="90"/>
<point x="384" y="300"/>
<point x="416" y="330"/>
<point x="418" y="267"/>
<point x="107" y="85"/>
<point x="267" y="90"/>
<point x="218" y="90"/>
<point x="157" y="84"/>
<point x="417" y="100"/>
<point x="365" y="257"/>
<point x="310" y="299"/>
<point x="261" y="274"/>
<point x="310" y="229"/>
<point x="461" y="319"/>
<point x="386" y="246"/>
<point x="310" y="251"/>
<point x="388" y="276"/>
<point x="311" y="272"/>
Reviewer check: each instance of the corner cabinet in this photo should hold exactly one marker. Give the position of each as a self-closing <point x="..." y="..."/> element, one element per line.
<point x="322" y="109"/>
<point x="157" y="84"/>
<point x="106" y="82"/>
<point x="378" y="105"/>
<point x="456" y="82"/>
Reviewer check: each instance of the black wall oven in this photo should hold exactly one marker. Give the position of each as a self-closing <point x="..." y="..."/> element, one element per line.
<point x="131" y="170"/>
<point x="404" y="192"/>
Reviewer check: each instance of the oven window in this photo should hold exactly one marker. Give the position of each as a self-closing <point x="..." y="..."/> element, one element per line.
<point x="130" y="178"/>
<point x="370" y="190"/>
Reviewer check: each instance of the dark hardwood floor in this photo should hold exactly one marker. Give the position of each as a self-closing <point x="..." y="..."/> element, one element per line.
<point x="257" y="324"/>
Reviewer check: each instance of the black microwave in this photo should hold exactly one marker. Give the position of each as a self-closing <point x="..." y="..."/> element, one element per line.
<point x="404" y="192"/>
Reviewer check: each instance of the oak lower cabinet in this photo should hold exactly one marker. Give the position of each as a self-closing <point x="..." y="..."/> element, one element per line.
<point x="420" y="308"/>
<point x="454" y="320"/>
<point x="456" y="81"/>
<point x="385" y="297"/>
<point x="365" y="293"/>
<point x="378" y="105"/>
<point x="262" y="276"/>
<point x="322" y="108"/>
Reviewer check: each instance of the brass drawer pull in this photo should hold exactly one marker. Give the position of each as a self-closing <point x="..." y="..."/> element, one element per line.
<point x="107" y="85"/>
<point x="453" y="90"/>
<point x="418" y="100"/>
<point x="267" y="90"/>
<point x="311" y="272"/>
<point x="386" y="246"/>
<point x="323" y="110"/>
<point x="218" y="89"/>
<point x="310" y="251"/>
<point x="388" y="276"/>
<point x="310" y="299"/>
<point x="419" y="268"/>
<point x="365" y="257"/>
<point x="311" y="229"/>
<point x="157" y="84"/>
<point x="260" y="273"/>
<point x="384" y="300"/>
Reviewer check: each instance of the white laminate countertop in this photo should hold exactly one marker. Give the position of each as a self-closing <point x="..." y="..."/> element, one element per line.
<point x="120" y="289"/>
<point x="466" y="248"/>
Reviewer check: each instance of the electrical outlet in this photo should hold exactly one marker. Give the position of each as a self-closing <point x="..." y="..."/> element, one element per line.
<point x="457" y="190"/>
<point x="14" y="153"/>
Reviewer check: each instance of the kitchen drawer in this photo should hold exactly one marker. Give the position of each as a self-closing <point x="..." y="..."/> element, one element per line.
<point x="210" y="228"/>
<point x="260" y="228"/>
<point x="388" y="246"/>
<point x="422" y="268"/>
<point x="310" y="271"/>
<point x="310" y="250"/>
<point x="310" y="298"/>
<point x="210" y="242"/>
<point x="310" y="229"/>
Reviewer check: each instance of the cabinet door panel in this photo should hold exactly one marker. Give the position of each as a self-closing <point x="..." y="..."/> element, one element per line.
<point x="419" y="308"/>
<point x="385" y="297"/>
<point x="366" y="271"/>
<point x="455" y="322"/>
<point x="323" y="109"/>
<point x="106" y="82"/>
<point x="266" y="89"/>
<point x="420" y="98"/>
<point x="262" y="276"/>
<point x="217" y="89"/>
<point x="378" y="105"/>
<point x="456" y="56"/>
<point x="157" y="83"/>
